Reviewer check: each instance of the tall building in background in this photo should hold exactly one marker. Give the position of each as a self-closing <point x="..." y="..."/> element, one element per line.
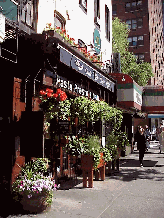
<point x="145" y="21"/>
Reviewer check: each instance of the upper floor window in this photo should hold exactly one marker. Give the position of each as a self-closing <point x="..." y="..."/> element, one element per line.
<point x="59" y="20"/>
<point x="135" y="23"/>
<point x="136" y="40"/>
<point x="97" y="12"/>
<point x="140" y="57"/>
<point x="27" y="12"/>
<point x="114" y="9"/>
<point x="107" y="22"/>
<point x="83" y="4"/>
<point x="132" y="6"/>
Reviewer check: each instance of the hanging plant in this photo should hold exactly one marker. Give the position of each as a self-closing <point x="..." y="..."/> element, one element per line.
<point x="50" y="102"/>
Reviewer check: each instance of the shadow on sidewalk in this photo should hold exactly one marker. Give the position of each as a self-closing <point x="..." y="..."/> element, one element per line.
<point x="135" y="163"/>
<point x="131" y="170"/>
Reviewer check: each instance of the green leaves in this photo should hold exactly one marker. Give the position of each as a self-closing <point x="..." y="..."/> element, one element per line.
<point x="140" y="73"/>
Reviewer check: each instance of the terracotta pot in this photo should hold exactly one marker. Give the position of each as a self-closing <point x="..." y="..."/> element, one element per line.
<point x="86" y="162"/>
<point x="76" y="121"/>
<point x="101" y="161"/>
<point x="35" y="204"/>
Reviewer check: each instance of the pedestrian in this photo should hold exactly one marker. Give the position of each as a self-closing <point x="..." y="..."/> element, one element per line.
<point x="141" y="143"/>
<point x="159" y="131"/>
<point x="147" y="137"/>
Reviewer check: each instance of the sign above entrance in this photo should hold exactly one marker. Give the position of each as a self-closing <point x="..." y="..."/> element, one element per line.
<point x="72" y="61"/>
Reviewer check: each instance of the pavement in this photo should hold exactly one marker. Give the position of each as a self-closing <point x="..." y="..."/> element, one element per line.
<point x="132" y="192"/>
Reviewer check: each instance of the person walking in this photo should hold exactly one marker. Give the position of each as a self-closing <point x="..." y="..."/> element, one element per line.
<point x="147" y="137"/>
<point x="141" y="143"/>
<point x="159" y="137"/>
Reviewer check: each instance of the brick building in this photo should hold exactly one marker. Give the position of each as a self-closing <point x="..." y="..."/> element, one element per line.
<point x="145" y="20"/>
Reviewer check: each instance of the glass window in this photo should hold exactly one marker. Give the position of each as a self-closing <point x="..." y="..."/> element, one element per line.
<point x="127" y="5"/>
<point x="114" y="9"/>
<point x="140" y="37"/>
<point x="134" y="43"/>
<point x="133" y="4"/>
<point x="140" y="23"/>
<point x="139" y="3"/>
<point x="129" y="23"/>
<point x="134" y="24"/>
<point x="59" y="20"/>
<point x="107" y="22"/>
<point x="140" y="40"/>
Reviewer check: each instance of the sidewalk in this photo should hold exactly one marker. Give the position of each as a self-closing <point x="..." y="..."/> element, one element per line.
<point x="131" y="192"/>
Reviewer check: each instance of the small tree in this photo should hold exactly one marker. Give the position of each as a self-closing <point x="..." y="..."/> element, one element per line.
<point x="140" y="72"/>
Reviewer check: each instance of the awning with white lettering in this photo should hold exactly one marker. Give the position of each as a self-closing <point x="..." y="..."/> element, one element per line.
<point x="77" y="64"/>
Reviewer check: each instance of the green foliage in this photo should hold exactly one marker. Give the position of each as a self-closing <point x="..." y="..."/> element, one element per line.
<point x="122" y="140"/>
<point x="107" y="155"/>
<point x="111" y="144"/>
<point x="74" y="146"/>
<point x="92" y="147"/>
<point x="141" y="72"/>
<point x="34" y="167"/>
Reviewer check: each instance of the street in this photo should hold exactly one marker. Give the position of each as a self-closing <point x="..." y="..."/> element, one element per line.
<point x="131" y="192"/>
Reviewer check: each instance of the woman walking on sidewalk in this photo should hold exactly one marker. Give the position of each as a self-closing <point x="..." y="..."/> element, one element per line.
<point x="141" y="144"/>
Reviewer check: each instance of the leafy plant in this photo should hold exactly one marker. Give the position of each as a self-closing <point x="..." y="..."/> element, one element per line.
<point x="74" y="146"/>
<point x="122" y="140"/>
<point x="111" y="144"/>
<point x="92" y="146"/>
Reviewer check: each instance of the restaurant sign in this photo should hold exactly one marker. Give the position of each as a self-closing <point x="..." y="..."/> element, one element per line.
<point x="72" y="61"/>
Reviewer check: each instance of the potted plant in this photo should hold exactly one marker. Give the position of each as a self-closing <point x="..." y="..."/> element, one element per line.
<point x="32" y="189"/>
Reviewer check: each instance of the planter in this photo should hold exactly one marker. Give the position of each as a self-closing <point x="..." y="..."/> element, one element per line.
<point x="100" y="172"/>
<point x="87" y="168"/>
<point x="36" y="203"/>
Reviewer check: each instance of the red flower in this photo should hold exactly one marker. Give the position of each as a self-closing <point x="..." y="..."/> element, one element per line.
<point x="42" y="92"/>
<point x="49" y="90"/>
<point x="68" y="36"/>
<point x="59" y="91"/>
<point x="55" y="95"/>
<point x="58" y="28"/>
<point x="49" y="95"/>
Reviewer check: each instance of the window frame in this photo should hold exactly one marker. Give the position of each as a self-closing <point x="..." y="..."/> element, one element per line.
<point x="140" y="60"/>
<point x="60" y="18"/>
<point x="97" y="13"/>
<point x="139" y="24"/>
<point x="133" y="40"/>
<point x="82" y="5"/>
<point x="27" y="15"/>
<point x="133" y="6"/>
<point x="114" y="9"/>
<point x="107" y="23"/>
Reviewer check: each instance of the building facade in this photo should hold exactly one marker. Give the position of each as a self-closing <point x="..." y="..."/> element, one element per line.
<point x="144" y="18"/>
<point x="33" y="59"/>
